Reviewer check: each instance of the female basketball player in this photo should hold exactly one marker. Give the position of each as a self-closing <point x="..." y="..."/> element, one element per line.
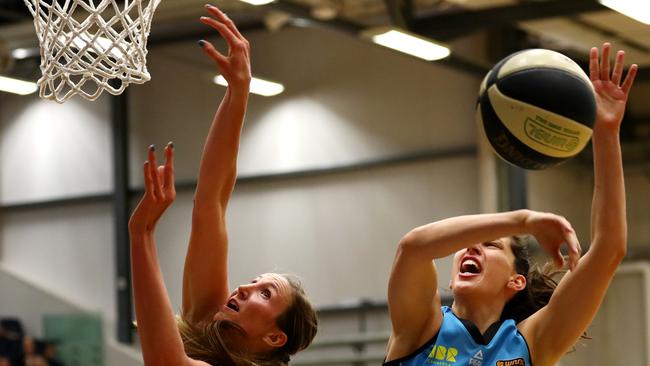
<point x="503" y="313"/>
<point x="260" y="323"/>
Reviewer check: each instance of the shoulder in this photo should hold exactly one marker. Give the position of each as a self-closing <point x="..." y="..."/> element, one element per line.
<point x="401" y="348"/>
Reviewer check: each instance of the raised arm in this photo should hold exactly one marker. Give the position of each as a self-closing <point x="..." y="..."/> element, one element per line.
<point x="159" y="336"/>
<point x="413" y="298"/>
<point x="205" y="278"/>
<point x="557" y="327"/>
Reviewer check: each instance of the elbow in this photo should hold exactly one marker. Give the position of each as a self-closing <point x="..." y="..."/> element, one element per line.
<point x="416" y="241"/>
<point x="612" y="247"/>
<point x="409" y="242"/>
<point x="621" y="250"/>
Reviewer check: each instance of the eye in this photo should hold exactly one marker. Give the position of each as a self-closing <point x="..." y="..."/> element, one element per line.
<point x="491" y="244"/>
<point x="266" y="293"/>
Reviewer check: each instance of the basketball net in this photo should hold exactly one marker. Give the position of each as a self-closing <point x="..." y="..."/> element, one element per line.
<point x="88" y="46"/>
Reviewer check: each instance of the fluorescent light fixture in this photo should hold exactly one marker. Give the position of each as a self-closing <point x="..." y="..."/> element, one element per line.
<point x="23" y="53"/>
<point x="257" y="2"/>
<point x="406" y="42"/>
<point x="16" y="86"/>
<point x="636" y="9"/>
<point x="258" y="86"/>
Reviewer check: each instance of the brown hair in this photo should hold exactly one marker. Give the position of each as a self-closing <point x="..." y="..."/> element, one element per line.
<point x="540" y="283"/>
<point x="213" y="343"/>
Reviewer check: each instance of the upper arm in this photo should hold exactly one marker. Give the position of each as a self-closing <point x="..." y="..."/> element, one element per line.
<point x="554" y="329"/>
<point x="205" y="277"/>
<point x="413" y="301"/>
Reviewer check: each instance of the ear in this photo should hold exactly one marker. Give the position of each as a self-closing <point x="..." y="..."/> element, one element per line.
<point x="517" y="282"/>
<point x="275" y="339"/>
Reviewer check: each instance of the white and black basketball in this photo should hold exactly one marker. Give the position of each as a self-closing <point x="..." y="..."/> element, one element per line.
<point x="536" y="108"/>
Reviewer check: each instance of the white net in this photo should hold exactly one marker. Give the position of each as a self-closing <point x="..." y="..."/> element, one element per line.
<point x="88" y="46"/>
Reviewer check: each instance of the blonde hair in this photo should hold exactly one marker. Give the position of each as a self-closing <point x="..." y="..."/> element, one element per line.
<point x="215" y="343"/>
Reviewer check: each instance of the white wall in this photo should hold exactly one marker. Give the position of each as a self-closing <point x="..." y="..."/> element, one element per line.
<point x="52" y="151"/>
<point x="619" y="333"/>
<point x="344" y="102"/>
<point x="567" y="190"/>
<point x="69" y="250"/>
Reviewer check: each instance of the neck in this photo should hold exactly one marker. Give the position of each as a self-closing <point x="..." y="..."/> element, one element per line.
<point x="482" y="314"/>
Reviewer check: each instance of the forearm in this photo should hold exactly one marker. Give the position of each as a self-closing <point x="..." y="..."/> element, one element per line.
<point x="445" y="237"/>
<point x="218" y="167"/>
<point x="159" y="336"/>
<point x="205" y="276"/>
<point x="608" y="213"/>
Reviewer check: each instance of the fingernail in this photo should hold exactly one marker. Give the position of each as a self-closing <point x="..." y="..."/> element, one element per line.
<point x="152" y="148"/>
<point x="209" y="6"/>
<point x="170" y="144"/>
<point x="201" y="43"/>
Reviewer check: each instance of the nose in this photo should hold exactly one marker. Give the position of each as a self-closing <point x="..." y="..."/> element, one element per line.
<point x="474" y="249"/>
<point x="243" y="291"/>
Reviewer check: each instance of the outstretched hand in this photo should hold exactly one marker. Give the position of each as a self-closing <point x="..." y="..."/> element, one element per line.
<point x="159" y="191"/>
<point x="236" y="67"/>
<point x="611" y="94"/>
<point x="553" y="231"/>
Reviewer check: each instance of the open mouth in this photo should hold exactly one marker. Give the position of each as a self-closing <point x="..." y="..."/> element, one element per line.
<point x="232" y="304"/>
<point x="469" y="267"/>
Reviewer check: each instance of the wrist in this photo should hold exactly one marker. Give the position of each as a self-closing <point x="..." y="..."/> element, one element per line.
<point x="142" y="231"/>
<point x="606" y="129"/>
<point x="521" y="218"/>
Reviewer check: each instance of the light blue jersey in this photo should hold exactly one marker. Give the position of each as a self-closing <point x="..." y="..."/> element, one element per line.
<point x="459" y="343"/>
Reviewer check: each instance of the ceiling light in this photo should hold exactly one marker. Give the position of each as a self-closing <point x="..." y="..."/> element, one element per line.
<point x="16" y="86"/>
<point x="23" y="53"/>
<point x="404" y="41"/>
<point x="636" y="9"/>
<point x="258" y="86"/>
<point x="257" y="2"/>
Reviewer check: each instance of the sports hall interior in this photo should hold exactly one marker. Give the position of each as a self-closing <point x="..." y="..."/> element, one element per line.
<point x="364" y="144"/>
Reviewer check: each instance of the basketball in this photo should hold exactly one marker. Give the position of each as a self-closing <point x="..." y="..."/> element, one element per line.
<point x="536" y="108"/>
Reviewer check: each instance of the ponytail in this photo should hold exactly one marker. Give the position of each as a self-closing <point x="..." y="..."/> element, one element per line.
<point x="540" y="283"/>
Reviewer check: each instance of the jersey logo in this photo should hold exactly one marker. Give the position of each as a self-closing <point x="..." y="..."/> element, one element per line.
<point x="477" y="359"/>
<point x="442" y="353"/>
<point x="515" y="362"/>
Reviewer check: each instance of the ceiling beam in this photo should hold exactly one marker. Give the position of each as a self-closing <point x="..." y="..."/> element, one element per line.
<point x="453" y="24"/>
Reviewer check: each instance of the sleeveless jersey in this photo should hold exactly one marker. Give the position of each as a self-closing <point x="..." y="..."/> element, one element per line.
<point x="459" y="343"/>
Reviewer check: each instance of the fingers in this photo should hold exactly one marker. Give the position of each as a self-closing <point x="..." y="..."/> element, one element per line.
<point x="226" y="27"/>
<point x="558" y="258"/>
<point x="629" y="79"/>
<point x="225" y="32"/>
<point x="157" y="188"/>
<point x="225" y="20"/>
<point x="213" y="53"/>
<point x="618" y="68"/>
<point x="604" y="62"/>
<point x="148" y="180"/>
<point x="575" y="251"/>
<point x="168" y="176"/>
<point x="594" y="72"/>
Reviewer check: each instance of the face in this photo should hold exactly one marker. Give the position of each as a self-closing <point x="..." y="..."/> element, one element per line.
<point x="485" y="269"/>
<point x="256" y="306"/>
